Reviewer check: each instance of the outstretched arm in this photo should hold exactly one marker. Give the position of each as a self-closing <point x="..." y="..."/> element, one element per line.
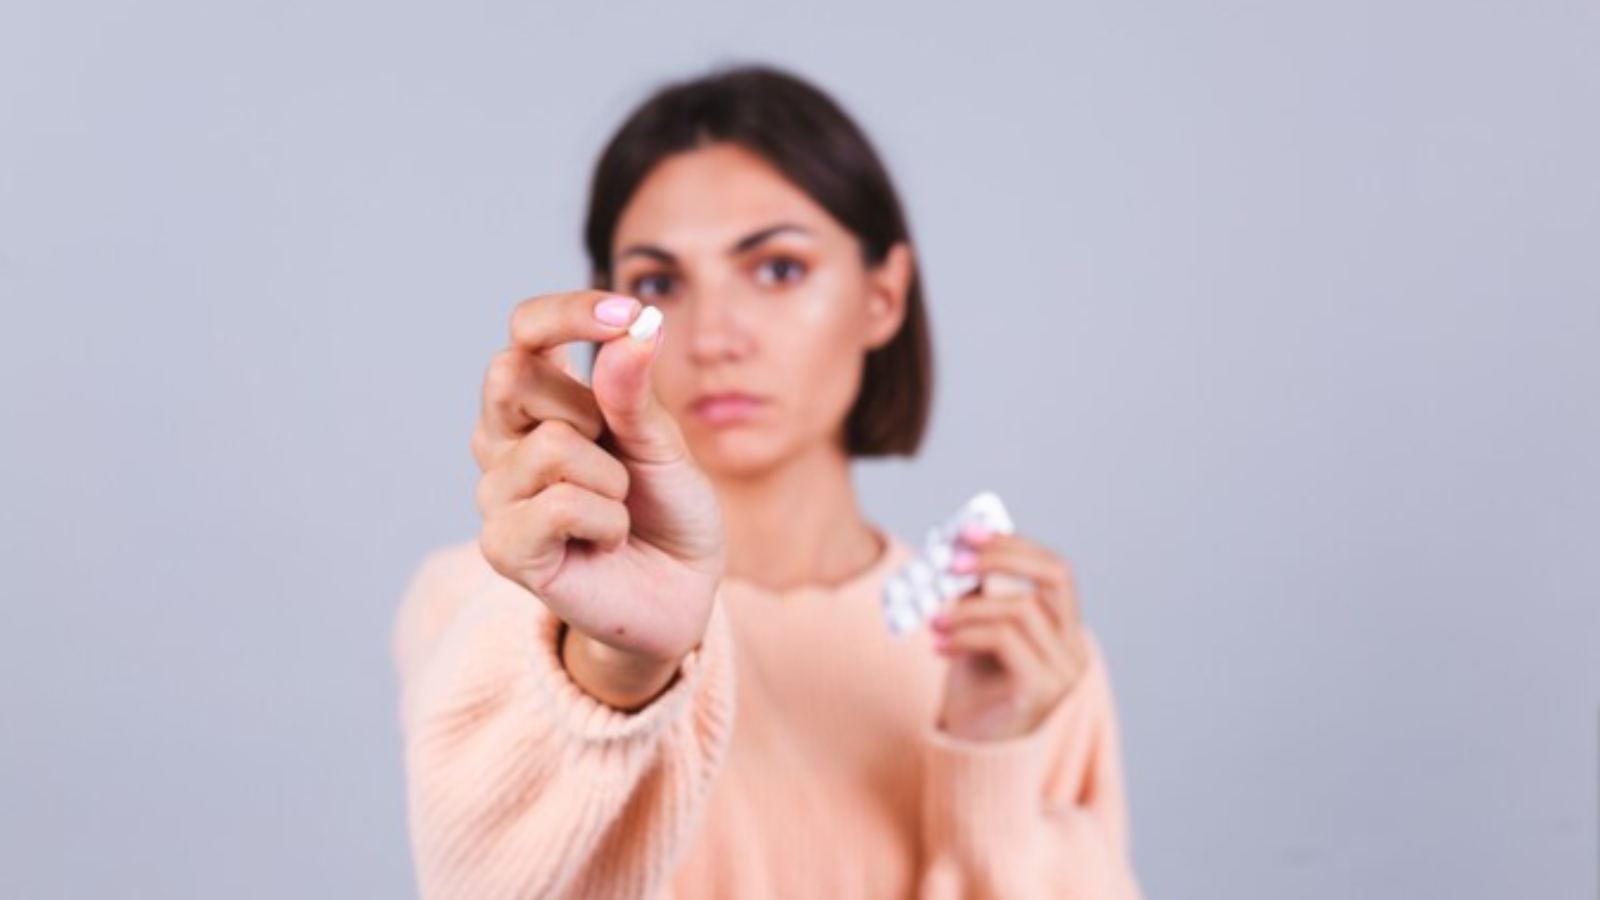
<point x="519" y="784"/>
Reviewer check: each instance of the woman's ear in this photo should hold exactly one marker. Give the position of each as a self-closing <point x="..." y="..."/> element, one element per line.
<point x="888" y="288"/>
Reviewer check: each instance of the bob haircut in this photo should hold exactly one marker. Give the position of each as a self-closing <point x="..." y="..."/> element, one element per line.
<point x="809" y="138"/>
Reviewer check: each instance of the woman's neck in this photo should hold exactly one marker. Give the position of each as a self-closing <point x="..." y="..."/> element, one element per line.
<point x="797" y="524"/>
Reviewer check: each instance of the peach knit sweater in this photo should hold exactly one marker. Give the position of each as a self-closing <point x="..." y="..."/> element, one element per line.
<point x="794" y="756"/>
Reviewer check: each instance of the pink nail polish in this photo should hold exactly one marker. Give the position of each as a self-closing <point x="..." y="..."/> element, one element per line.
<point x="976" y="534"/>
<point x="963" y="561"/>
<point x="615" y="310"/>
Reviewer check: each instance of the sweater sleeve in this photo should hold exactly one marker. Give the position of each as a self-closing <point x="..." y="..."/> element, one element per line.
<point x="1042" y="815"/>
<point x="519" y="784"/>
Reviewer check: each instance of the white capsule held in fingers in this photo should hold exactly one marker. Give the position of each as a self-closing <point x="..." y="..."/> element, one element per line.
<point x="645" y="326"/>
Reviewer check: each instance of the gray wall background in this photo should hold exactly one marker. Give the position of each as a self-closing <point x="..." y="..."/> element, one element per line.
<point x="1279" y="320"/>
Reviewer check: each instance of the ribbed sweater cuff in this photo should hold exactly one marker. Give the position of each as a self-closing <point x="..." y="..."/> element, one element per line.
<point x="979" y="795"/>
<point x="582" y="717"/>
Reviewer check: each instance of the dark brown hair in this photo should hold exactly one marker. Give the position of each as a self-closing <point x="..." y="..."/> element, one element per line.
<point x="807" y="136"/>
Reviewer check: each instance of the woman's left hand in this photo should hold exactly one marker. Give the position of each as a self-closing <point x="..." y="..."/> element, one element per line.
<point x="1016" y="654"/>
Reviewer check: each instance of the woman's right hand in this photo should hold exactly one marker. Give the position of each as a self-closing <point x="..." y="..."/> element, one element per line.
<point x="591" y="499"/>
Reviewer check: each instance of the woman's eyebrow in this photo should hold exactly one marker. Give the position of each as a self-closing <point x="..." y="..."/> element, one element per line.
<point x="742" y="245"/>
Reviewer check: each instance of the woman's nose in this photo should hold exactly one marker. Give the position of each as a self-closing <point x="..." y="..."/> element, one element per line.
<point x="718" y="325"/>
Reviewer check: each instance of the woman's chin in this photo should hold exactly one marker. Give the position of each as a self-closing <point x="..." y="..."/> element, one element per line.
<point x="731" y="455"/>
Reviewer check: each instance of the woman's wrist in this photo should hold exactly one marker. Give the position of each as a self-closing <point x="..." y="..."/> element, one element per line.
<point x="617" y="678"/>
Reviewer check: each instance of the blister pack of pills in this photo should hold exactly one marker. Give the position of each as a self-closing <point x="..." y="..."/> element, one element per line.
<point x="925" y="583"/>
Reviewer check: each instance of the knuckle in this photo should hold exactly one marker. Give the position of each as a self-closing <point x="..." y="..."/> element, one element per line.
<point x="534" y="464"/>
<point x="552" y="446"/>
<point x="611" y="478"/>
<point x="491" y="542"/>
<point x="560" y="503"/>
<point x="500" y="378"/>
<point x="619" y="521"/>
<point x="558" y="434"/>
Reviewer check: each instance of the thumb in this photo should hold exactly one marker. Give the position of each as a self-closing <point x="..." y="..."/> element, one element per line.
<point x="639" y="424"/>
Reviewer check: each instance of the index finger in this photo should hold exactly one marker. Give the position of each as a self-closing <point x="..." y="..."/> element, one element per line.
<point x="1052" y="576"/>
<point x="543" y="325"/>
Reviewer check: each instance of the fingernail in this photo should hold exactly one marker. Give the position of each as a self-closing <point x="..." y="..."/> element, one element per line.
<point x="963" y="561"/>
<point x="940" y="623"/>
<point x="644" y="327"/>
<point x="615" y="310"/>
<point x="941" y="641"/>
<point x="976" y="534"/>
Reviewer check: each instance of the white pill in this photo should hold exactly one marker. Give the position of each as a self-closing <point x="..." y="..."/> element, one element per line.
<point x="647" y="323"/>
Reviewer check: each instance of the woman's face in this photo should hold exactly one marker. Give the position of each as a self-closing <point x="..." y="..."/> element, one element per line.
<point x="769" y="307"/>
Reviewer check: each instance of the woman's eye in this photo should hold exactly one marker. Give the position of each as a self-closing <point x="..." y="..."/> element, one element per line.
<point x="786" y="270"/>
<point x="651" y="287"/>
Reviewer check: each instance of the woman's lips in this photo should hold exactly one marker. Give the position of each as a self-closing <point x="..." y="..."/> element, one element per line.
<point x="723" y="409"/>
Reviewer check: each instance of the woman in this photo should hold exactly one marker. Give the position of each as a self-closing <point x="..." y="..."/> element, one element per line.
<point x="661" y="669"/>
